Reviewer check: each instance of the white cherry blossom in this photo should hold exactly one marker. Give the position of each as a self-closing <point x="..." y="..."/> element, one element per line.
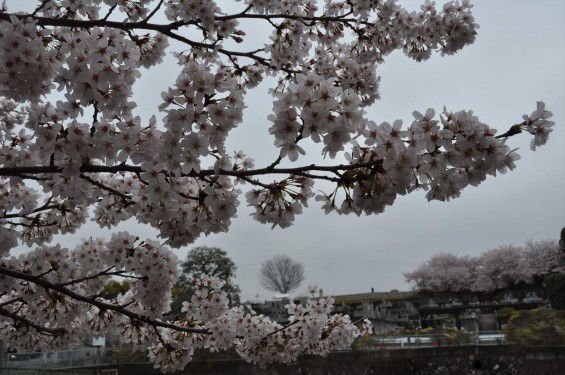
<point x="74" y="148"/>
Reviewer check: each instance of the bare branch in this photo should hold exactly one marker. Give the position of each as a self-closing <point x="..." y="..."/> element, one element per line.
<point x="281" y="274"/>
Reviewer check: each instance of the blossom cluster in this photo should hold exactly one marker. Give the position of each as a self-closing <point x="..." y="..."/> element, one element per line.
<point x="51" y="297"/>
<point x="179" y="177"/>
<point x="27" y="66"/>
<point x="278" y="204"/>
<point x="59" y="295"/>
<point x="495" y="269"/>
<point x="441" y="159"/>
<point x="73" y="147"/>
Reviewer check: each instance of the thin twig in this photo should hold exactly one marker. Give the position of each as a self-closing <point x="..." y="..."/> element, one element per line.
<point x="125" y="197"/>
<point x="153" y="12"/>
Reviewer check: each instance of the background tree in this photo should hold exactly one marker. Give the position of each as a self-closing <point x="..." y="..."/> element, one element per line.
<point x="542" y="258"/>
<point x="555" y="289"/>
<point x="281" y="274"/>
<point x="444" y="273"/>
<point x="114" y="288"/>
<point x="562" y="246"/>
<point x="494" y="269"/>
<point x="502" y="267"/>
<point x="200" y="261"/>
<point x="541" y="326"/>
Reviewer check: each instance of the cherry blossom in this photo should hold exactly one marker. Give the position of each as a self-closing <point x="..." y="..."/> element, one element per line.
<point x="73" y="148"/>
<point x="494" y="269"/>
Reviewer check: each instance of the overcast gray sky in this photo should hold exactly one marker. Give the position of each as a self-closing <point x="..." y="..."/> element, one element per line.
<point x="518" y="58"/>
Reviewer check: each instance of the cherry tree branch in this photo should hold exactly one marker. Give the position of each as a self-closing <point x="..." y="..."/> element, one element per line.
<point x="110" y="11"/>
<point x="56" y="332"/>
<point x="41" y="6"/>
<point x="326" y="70"/>
<point x="165" y="29"/>
<point x="94" y="302"/>
<point x="15" y="171"/>
<point x="47" y="206"/>
<point x="102" y="273"/>
<point x="155" y="10"/>
<point x="9" y="302"/>
<point x="126" y="198"/>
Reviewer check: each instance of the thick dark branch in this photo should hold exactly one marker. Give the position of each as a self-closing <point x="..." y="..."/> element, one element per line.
<point x="88" y="24"/>
<point x="165" y="29"/>
<point x="244" y="15"/>
<point x="39" y="328"/>
<point x="6" y="303"/>
<point x="14" y="171"/>
<point x="305" y="168"/>
<point x="91" y="301"/>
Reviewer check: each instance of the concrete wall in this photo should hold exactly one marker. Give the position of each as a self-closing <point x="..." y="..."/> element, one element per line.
<point x="469" y="360"/>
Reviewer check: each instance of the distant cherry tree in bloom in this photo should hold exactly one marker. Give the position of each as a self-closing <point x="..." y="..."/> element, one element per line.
<point x="73" y="148"/>
<point x="495" y="269"/>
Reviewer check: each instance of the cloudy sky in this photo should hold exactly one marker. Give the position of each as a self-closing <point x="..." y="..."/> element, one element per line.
<point x="517" y="59"/>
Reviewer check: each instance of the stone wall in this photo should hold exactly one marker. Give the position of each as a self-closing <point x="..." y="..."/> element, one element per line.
<point x="468" y="360"/>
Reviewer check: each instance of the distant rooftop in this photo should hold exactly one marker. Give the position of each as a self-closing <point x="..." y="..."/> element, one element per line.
<point x="280" y="296"/>
<point x="374" y="296"/>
